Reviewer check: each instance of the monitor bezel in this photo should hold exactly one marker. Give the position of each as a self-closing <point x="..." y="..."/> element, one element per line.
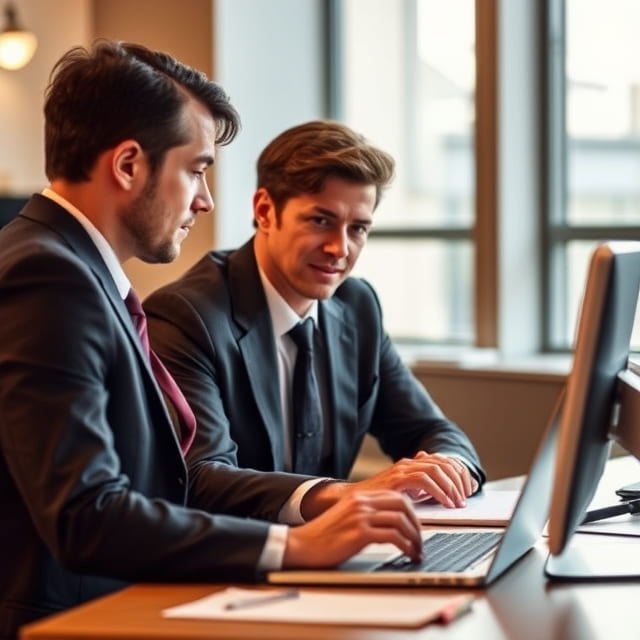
<point x="592" y="401"/>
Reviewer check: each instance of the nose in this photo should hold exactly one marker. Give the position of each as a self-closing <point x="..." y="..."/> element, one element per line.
<point x="338" y="243"/>
<point x="203" y="201"/>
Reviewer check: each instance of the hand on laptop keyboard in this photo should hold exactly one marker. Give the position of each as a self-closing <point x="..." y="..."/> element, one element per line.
<point x="448" y="552"/>
<point x="358" y="519"/>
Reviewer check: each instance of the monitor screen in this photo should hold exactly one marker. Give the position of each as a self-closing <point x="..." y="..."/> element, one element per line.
<point x="591" y="404"/>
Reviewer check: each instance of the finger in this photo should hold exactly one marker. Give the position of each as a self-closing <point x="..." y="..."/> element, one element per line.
<point x="381" y="512"/>
<point x="459" y="476"/>
<point x="417" y="495"/>
<point x="463" y="481"/>
<point x="444" y="484"/>
<point x="458" y="473"/>
<point x="409" y="547"/>
<point x="396" y="527"/>
<point x="393" y="502"/>
<point x="469" y="483"/>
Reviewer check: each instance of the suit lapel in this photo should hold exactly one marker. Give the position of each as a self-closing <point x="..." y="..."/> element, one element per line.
<point x="73" y="233"/>
<point x="341" y="353"/>
<point x="256" y="343"/>
<point x="51" y="214"/>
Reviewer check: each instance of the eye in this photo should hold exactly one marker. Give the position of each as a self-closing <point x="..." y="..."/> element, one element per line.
<point x="360" y="229"/>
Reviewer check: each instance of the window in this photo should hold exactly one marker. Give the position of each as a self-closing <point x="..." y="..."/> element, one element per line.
<point x="594" y="150"/>
<point x="408" y="85"/>
<point x="566" y="108"/>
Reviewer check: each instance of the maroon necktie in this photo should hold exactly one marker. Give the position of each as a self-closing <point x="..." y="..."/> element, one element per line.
<point x="163" y="377"/>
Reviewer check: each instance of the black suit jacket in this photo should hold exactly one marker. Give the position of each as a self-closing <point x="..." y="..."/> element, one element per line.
<point x="213" y="329"/>
<point x="94" y="491"/>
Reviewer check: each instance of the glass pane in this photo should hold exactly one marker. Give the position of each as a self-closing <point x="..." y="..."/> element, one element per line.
<point x="441" y="144"/>
<point x="411" y="90"/>
<point x="578" y="257"/>
<point x="603" y="112"/>
<point x="413" y="93"/>
<point x="428" y="292"/>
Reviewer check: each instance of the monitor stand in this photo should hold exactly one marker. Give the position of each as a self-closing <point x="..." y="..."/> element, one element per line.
<point x="596" y="559"/>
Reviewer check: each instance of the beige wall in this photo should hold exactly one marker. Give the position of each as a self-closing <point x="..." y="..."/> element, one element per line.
<point x="244" y="44"/>
<point x="504" y="412"/>
<point x="185" y="30"/>
<point x="58" y="24"/>
<point x="488" y="404"/>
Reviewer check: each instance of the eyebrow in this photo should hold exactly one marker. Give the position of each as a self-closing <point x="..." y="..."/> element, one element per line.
<point x="205" y="158"/>
<point x="330" y="213"/>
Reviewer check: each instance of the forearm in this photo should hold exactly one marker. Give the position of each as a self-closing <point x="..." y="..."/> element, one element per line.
<point x="321" y="497"/>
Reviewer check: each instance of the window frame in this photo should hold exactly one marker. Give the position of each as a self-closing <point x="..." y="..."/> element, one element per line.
<point x="558" y="232"/>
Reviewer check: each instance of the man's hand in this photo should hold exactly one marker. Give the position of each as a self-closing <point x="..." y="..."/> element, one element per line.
<point x="426" y="475"/>
<point x="360" y="518"/>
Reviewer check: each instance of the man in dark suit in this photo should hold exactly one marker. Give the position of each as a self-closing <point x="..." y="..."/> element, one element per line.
<point x="222" y="330"/>
<point x="97" y="486"/>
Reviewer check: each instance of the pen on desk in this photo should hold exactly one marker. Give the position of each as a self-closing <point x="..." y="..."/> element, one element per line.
<point x="631" y="506"/>
<point x="260" y="600"/>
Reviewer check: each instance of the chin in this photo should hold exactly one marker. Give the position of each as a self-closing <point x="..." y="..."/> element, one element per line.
<point x="324" y="294"/>
<point x="164" y="255"/>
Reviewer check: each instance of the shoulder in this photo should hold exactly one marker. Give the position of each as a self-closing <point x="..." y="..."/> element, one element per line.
<point x="357" y="294"/>
<point x="201" y="284"/>
<point x="355" y="304"/>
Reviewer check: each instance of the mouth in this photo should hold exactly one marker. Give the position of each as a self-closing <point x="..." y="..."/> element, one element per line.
<point x="187" y="226"/>
<point x="328" y="270"/>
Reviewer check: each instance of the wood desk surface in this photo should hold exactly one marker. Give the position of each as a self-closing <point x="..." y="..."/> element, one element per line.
<point x="520" y="605"/>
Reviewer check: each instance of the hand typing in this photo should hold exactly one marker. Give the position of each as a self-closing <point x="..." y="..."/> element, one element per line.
<point x="358" y="519"/>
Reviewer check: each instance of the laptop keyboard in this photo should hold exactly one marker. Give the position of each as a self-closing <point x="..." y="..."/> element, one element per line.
<point x="448" y="552"/>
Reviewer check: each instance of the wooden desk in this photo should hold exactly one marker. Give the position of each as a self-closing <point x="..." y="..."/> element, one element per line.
<point x="520" y="605"/>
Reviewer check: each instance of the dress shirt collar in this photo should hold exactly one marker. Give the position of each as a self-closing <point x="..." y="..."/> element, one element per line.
<point x="283" y="317"/>
<point x="104" y="248"/>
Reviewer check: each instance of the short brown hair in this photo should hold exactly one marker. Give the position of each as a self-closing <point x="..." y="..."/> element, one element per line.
<point x="300" y="160"/>
<point x="97" y="98"/>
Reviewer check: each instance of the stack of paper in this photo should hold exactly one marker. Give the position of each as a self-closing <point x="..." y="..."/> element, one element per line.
<point x="324" y="607"/>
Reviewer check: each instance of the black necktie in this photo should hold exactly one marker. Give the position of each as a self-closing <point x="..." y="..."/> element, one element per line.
<point x="164" y="379"/>
<point x="307" y="411"/>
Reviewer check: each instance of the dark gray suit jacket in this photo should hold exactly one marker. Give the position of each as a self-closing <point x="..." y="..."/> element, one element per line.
<point x="213" y="329"/>
<point x="94" y="491"/>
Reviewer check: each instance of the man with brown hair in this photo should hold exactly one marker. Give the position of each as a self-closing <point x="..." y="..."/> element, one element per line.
<point x="228" y="328"/>
<point x="98" y="486"/>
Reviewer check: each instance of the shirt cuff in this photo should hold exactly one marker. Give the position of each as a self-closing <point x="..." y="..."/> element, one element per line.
<point x="273" y="552"/>
<point x="291" y="512"/>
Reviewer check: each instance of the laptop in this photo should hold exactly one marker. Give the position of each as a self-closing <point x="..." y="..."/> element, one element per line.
<point x="384" y="565"/>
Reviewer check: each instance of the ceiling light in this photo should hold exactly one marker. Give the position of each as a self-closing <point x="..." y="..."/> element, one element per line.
<point x="17" y="45"/>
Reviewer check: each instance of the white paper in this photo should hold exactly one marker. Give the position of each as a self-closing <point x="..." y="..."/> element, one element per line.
<point x="325" y="607"/>
<point x="491" y="508"/>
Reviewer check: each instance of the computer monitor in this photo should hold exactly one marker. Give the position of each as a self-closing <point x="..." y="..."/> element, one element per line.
<point x="592" y="403"/>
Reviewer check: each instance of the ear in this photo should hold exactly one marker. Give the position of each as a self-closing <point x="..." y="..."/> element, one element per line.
<point x="264" y="211"/>
<point x="129" y="164"/>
